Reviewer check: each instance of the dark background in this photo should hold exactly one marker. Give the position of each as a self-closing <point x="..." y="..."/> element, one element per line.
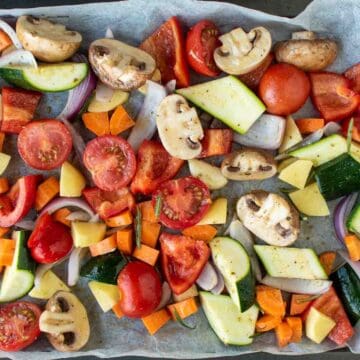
<point x="288" y="8"/>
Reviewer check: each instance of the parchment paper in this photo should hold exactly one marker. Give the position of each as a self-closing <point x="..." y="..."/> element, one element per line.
<point x="131" y="22"/>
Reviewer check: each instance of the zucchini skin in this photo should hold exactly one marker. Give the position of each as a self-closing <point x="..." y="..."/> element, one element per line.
<point x="25" y="261"/>
<point x="347" y="286"/>
<point x="104" y="268"/>
<point x="338" y="177"/>
<point x="15" y="77"/>
<point x="246" y="291"/>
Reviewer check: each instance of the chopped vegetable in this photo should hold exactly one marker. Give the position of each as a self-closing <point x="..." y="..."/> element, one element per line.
<point x="201" y="232"/>
<point x="217" y="213"/>
<point x="85" y="233"/>
<point x="300" y="303"/>
<point x="318" y="325"/>
<point x="2" y="139"/>
<point x="4" y="185"/>
<point x="309" y="125"/>
<point x="120" y="121"/>
<point x="267" y="323"/>
<point x="284" y="334"/>
<point x="352" y="243"/>
<point x="150" y="233"/>
<point x="216" y="142"/>
<point x="106" y="295"/>
<point x="72" y="181"/>
<point x="147" y="254"/>
<point x="270" y="300"/>
<point x="327" y="260"/>
<point x="124" y="240"/>
<point x="184" y="308"/>
<point x="117" y="310"/>
<point x="5" y="41"/>
<point x="97" y="122"/>
<point x="147" y="211"/>
<point x="138" y="225"/>
<point x="123" y="219"/>
<point x="46" y="191"/>
<point x="156" y="321"/>
<point x="7" y="250"/>
<point x="104" y="246"/>
<point x="296" y="326"/>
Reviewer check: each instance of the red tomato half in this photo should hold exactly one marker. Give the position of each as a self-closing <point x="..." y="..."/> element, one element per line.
<point x="182" y="260"/>
<point x="19" y="200"/>
<point x="284" y="89"/>
<point x="45" y="144"/>
<point x="201" y="42"/>
<point x="140" y="289"/>
<point x="332" y="96"/>
<point x="111" y="161"/>
<point x="109" y="203"/>
<point x="50" y="241"/>
<point x="166" y="46"/>
<point x="19" y="325"/>
<point x="155" y="165"/>
<point x="184" y="202"/>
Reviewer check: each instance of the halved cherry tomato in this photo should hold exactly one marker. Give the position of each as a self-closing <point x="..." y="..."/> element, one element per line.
<point x="45" y="144"/>
<point x="154" y="166"/>
<point x="356" y="128"/>
<point x="330" y="305"/>
<point x="182" y="260"/>
<point x="201" y="42"/>
<point x="184" y="202"/>
<point x="166" y="46"/>
<point x="111" y="161"/>
<point x="353" y="74"/>
<point x="284" y="89"/>
<point x="109" y="203"/>
<point x="50" y="241"/>
<point x="19" y="200"/>
<point x="140" y="288"/>
<point x="332" y="96"/>
<point x="19" y="325"/>
<point x="19" y="107"/>
<point x="252" y="78"/>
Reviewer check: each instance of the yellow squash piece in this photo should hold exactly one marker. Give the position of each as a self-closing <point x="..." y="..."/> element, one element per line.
<point x="216" y="214"/>
<point x="119" y="97"/>
<point x="297" y="173"/>
<point x="85" y="233"/>
<point x="72" y="181"/>
<point x="292" y="135"/>
<point x="106" y="295"/>
<point x="318" y="325"/>
<point x="4" y="162"/>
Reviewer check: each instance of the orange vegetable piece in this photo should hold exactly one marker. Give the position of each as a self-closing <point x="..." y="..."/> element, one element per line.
<point x="117" y="310"/>
<point x="123" y="219"/>
<point x="284" y="334"/>
<point x="201" y="232"/>
<point x="4" y="185"/>
<point x="124" y="240"/>
<point x="7" y="249"/>
<point x="46" y="192"/>
<point x="146" y="254"/>
<point x="184" y="308"/>
<point x="2" y="139"/>
<point x="98" y="122"/>
<point x="296" y="326"/>
<point x="309" y="125"/>
<point x="270" y="300"/>
<point x="3" y="231"/>
<point x="327" y="260"/>
<point x="156" y="321"/>
<point x="150" y="233"/>
<point x="5" y="41"/>
<point x="267" y="323"/>
<point x="120" y="121"/>
<point x="104" y="246"/>
<point x="299" y="303"/>
<point x="148" y="211"/>
<point x="61" y="215"/>
<point x="352" y="243"/>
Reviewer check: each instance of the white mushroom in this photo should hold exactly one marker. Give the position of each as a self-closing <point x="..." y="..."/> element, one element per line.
<point x="248" y="164"/>
<point x="306" y="52"/>
<point x="270" y="217"/>
<point x="119" y="65"/>
<point x="66" y="322"/>
<point x="48" y="41"/>
<point x="179" y="127"/>
<point x="242" y="52"/>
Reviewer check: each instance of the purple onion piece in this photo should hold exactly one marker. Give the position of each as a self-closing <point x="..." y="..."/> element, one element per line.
<point x="165" y="296"/>
<point x="219" y="287"/>
<point x="208" y="278"/>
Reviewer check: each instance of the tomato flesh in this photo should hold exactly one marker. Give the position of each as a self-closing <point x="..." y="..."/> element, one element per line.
<point x="111" y="161"/>
<point x="353" y="74"/>
<point x="154" y="166"/>
<point x="50" y="241"/>
<point x="184" y="202"/>
<point x="182" y="260"/>
<point x="45" y="144"/>
<point x="201" y="42"/>
<point x="216" y="142"/>
<point x="109" y="203"/>
<point x="284" y="89"/>
<point x="166" y="46"/>
<point x="140" y="289"/>
<point x="19" y="325"/>
<point x="332" y="96"/>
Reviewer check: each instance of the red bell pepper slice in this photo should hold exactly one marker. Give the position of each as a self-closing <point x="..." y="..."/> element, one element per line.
<point x="353" y="74"/>
<point x="216" y="142"/>
<point x="22" y="197"/>
<point x="332" y="95"/>
<point x="19" y="107"/>
<point x="167" y="46"/>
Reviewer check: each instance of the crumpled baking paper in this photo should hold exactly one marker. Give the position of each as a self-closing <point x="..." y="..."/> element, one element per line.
<point x="131" y="21"/>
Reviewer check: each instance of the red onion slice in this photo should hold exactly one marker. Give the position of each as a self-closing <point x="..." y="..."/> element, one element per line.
<point x="165" y="296"/>
<point x="18" y="57"/>
<point x="43" y="268"/>
<point x="220" y="286"/>
<point x="11" y="33"/>
<point x="331" y="128"/>
<point x="354" y="264"/>
<point x="341" y="214"/>
<point x="26" y="224"/>
<point x="78" y="216"/>
<point x="74" y="265"/>
<point x="208" y="278"/>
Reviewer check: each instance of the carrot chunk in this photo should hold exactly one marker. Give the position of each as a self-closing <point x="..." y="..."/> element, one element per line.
<point x="352" y="243"/>
<point x="117" y="310"/>
<point x="146" y="254"/>
<point x="156" y="321"/>
<point x="46" y="192"/>
<point x="61" y="215"/>
<point x="5" y="40"/>
<point x="150" y="233"/>
<point x="296" y="326"/>
<point x="124" y="240"/>
<point x="97" y="122"/>
<point x="147" y="211"/>
<point x="3" y="231"/>
<point x="104" y="246"/>
<point x="299" y="303"/>
<point x="284" y="334"/>
<point x="267" y="323"/>
<point x="120" y="121"/>
<point x="7" y="249"/>
<point x="4" y="185"/>
<point x="2" y="140"/>
<point x="201" y="232"/>
<point x="327" y="260"/>
<point x="309" y="125"/>
<point x="184" y="308"/>
<point x="270" y="300"/>
<point x="123" y="219"/>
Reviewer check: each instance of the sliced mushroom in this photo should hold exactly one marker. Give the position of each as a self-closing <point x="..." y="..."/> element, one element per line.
<point x="48" y="41"/>
<point x="179" y="127"/>
<point x="119" y="65"/>
<point x="66" y="322"/>
<point x="242" y="52"/>
<point x="270" y="217"/>
<point x="306" y="52"/>
<point x="248" y="164"/>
